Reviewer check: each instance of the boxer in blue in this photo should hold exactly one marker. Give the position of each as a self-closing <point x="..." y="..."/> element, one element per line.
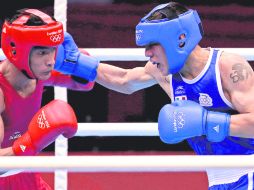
<point x="211" y="90"/>
<point x="216" y="116"/>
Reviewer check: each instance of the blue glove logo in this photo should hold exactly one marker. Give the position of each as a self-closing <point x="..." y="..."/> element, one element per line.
<point x="178" y="121"/>
<point x="217" y="128"/>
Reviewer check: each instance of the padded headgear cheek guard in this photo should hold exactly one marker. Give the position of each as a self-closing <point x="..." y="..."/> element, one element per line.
<point x="18" y="38"/>
<point x="178" y="36"/>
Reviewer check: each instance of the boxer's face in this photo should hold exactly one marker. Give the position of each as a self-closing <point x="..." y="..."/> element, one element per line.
<point x="42" y="61"/>
<point x="157" y="56"/>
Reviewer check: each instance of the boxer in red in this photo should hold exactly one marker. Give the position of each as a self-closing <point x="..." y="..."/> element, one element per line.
<point x="30" y="40"/>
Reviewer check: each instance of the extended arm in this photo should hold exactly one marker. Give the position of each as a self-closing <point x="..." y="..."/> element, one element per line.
<point x="125" y="81"/>
<point x="71" y="61"/>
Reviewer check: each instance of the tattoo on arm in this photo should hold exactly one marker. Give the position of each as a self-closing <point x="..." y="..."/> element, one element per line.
<point x="240" y="72"/>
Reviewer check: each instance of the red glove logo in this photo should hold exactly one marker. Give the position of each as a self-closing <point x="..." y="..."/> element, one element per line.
<point x="42" y="121"/>
<point x="46" y="125"/>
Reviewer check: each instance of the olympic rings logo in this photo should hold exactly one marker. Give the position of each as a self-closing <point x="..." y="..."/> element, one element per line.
<point x="56" y="38"/>
<point x="42" y="121"/>
<point x="178" y="121"/>
<point x="139" y="34"/>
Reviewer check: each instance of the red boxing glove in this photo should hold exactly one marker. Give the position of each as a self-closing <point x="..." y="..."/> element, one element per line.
<point x="48" y="123"/>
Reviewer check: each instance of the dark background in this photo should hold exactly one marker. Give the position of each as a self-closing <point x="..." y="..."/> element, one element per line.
<point x="112" y="25"/>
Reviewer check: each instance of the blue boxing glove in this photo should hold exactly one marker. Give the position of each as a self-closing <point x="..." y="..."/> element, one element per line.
<point x="69" y="60"/>
<point x="185" y="119"/>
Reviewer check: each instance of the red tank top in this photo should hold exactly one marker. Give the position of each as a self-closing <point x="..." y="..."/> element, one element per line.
<point x="18" y="110"/>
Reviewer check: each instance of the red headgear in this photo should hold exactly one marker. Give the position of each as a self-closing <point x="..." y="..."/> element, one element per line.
<point x="19" y="38"/>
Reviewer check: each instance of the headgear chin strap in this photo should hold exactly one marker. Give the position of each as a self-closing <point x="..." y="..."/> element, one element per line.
<point x="178" y="36"/>
<point x="18" y="38"/>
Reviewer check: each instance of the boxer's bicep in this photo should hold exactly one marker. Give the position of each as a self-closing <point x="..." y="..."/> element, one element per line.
<point x="240" y="84"/>
<point x="237" y="80"/>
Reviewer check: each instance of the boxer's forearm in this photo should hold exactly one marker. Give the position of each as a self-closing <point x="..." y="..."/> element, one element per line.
<point x="112" y="77"/>
<point x="242" y="125"/>
<point x="125" y="81"/>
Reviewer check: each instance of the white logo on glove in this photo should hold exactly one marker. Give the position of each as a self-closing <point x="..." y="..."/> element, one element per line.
<point x="217" y="128"/>
<point x="23" y="148"/>
<point x="178" y="121"/>
<point x="42" y="121"/>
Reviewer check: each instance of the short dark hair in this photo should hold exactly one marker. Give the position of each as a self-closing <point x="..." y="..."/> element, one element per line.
<point x="171" y="11"/>
<point x="32" y="21"/>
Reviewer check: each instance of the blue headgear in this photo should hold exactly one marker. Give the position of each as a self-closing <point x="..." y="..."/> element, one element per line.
<point x="167" y="33"/>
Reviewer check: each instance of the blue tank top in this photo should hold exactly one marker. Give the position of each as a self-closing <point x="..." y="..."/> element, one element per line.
<point x="206" y="89"/>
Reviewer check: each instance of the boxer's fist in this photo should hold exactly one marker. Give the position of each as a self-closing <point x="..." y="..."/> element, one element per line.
<point x="69" y="60"/>
<point x="185" y="119"/>
<point x="48" y="123"/>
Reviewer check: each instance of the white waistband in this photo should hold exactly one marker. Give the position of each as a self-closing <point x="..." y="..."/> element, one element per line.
<point x="222" y="176"/>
